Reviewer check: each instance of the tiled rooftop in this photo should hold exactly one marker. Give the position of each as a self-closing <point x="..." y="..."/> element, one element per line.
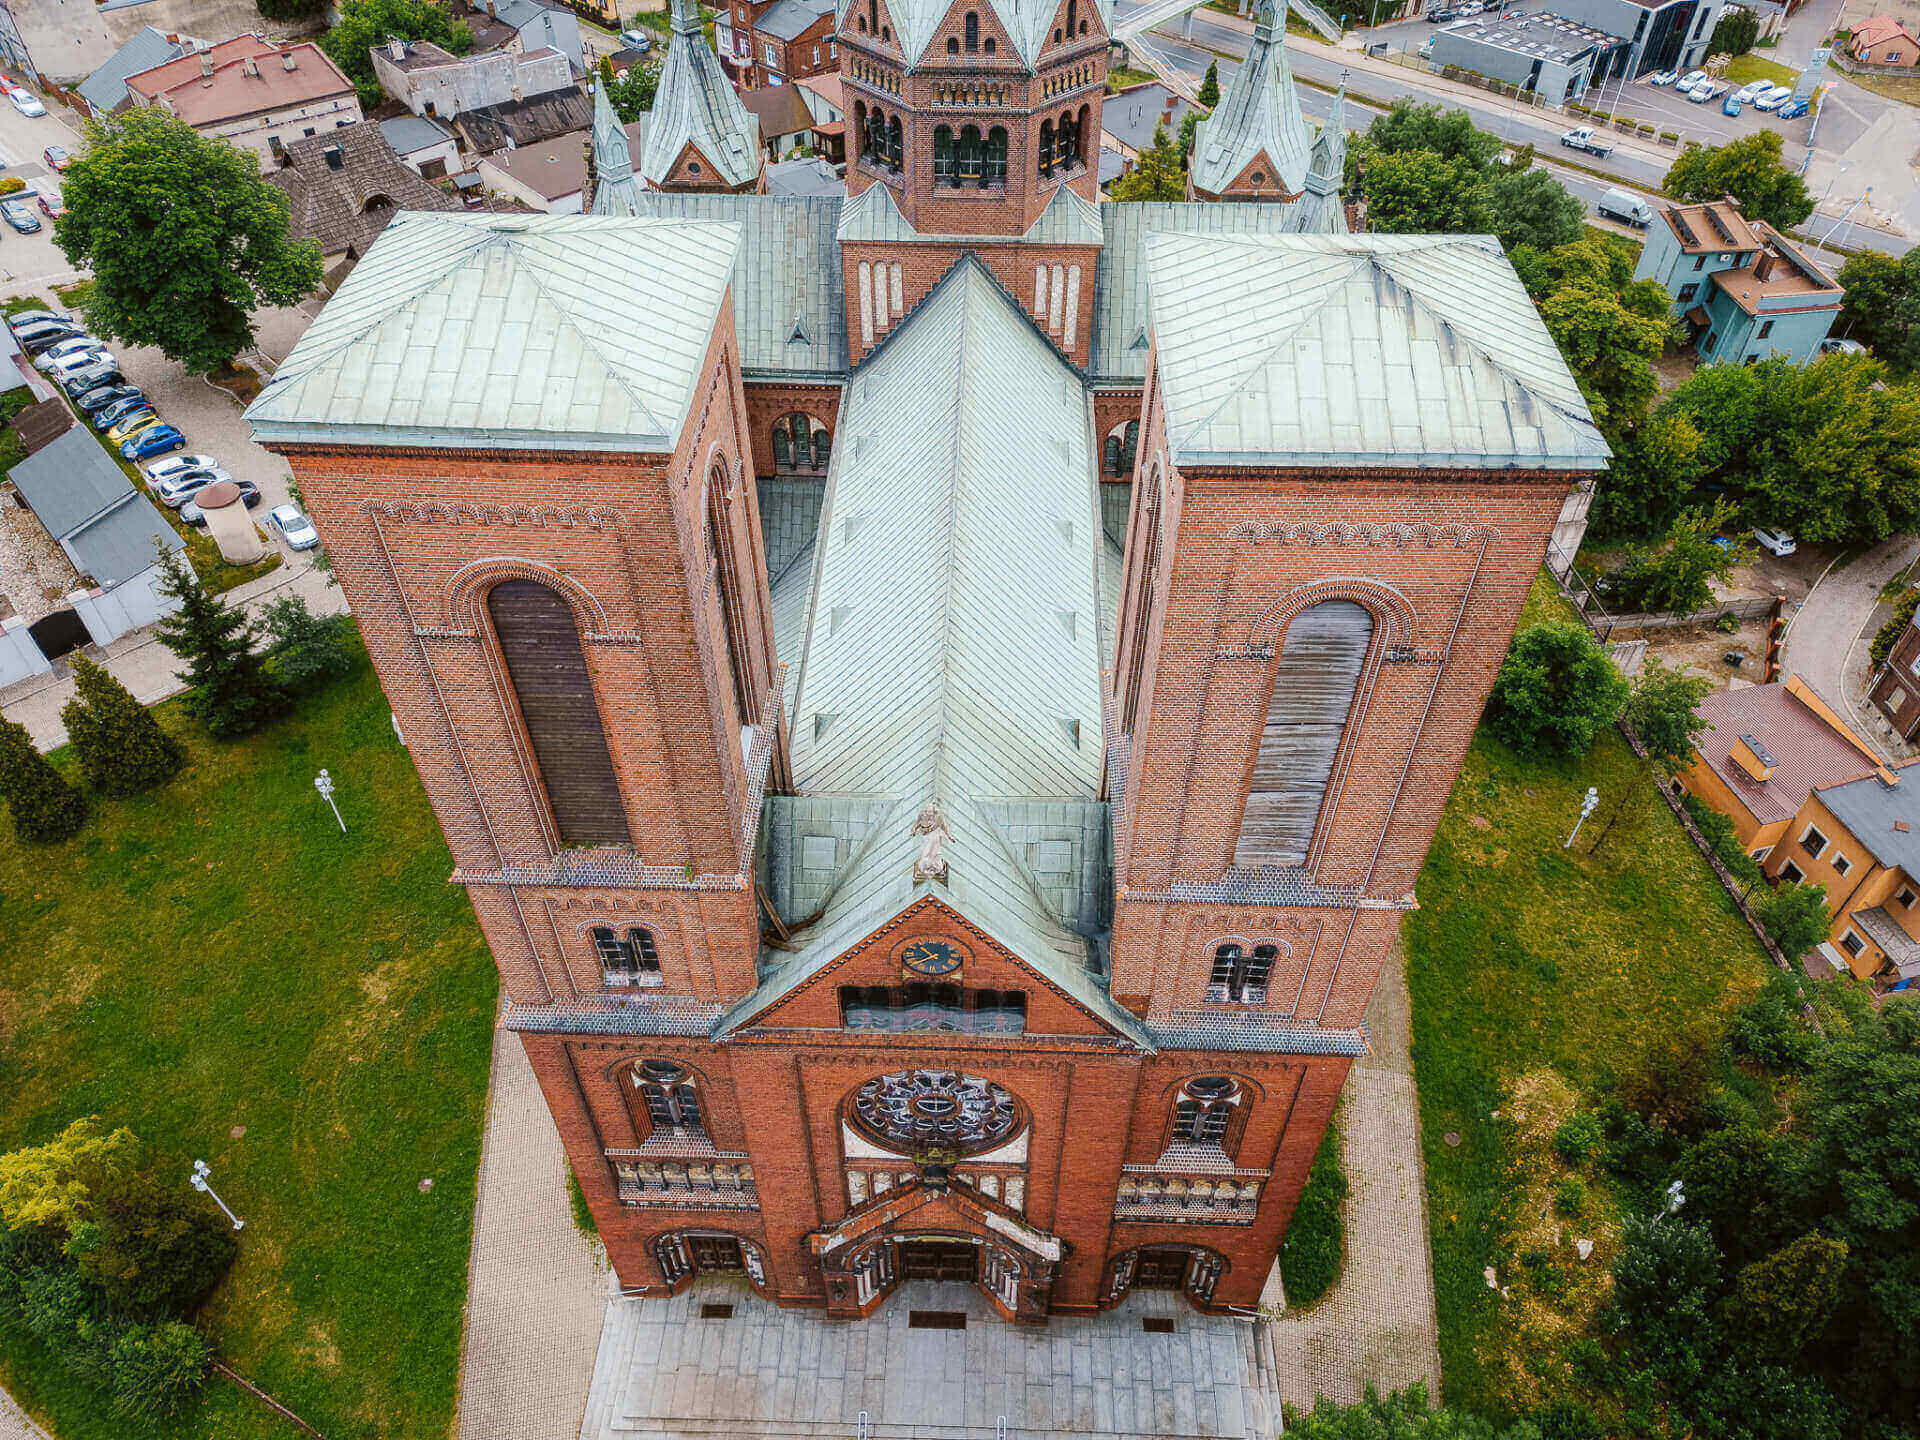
<point x="1811" y="753"/>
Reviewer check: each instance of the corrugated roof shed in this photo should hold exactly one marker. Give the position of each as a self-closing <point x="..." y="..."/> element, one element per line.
<point x="119" y="545"/>
<point x="86" y="502"/>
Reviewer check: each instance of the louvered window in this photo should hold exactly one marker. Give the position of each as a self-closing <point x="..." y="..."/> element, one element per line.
<point x="1241" y="977"/>
<point x="548" y="670"/>
<point x="1320" y="663"/>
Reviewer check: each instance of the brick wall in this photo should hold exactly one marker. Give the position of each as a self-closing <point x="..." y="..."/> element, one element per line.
<point x="1052" y="283"/>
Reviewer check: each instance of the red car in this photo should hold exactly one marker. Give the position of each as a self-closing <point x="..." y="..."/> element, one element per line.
<point x="58" y="156"/>
<point x="52" y="206"/>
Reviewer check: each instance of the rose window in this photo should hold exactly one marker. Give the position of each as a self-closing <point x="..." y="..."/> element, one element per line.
<point x="921" y="1108"/>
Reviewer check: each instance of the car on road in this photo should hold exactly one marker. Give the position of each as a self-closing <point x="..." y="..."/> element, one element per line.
<point x="1834" y="346"/>
<point x="1586" y="138"/>
<point x="1775" y="542"/>
<point x="102" y="396"/>
<point x="1791" y="110"/>
<point x="1442" y="17"/>
<point x="51" y="206"/>
<point x="19" y="215"/>
<point x="1773" y="99"/>
<point x="1731" y="105"/>
<point x="154" y="440"/>
<point x="108" y="416"/>
<point x="104" y="371"/>
<point x="132" y="423"/>
<point x="176" y="490"/>
<point x="1663" y="77"/>
<point x="26" y="102"/>
<point x="295" y="528"/>
<point x="178" y="465"/>
<point x="249" y="496"/>
<point x="1624" y="206"/>
<point x="58" y="156"/>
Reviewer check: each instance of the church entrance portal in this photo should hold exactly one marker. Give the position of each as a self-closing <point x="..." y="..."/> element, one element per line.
<point x="939" y="1260"/>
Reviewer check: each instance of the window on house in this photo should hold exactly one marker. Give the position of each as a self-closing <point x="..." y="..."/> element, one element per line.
<point x="1852" y="943"/>
<point x="969" y="158"/>
<point x="1906" y="897"/>
<point x="1322" y="656"/>
<point x="973" y="32"/>
<point x="1687" y="292"/>
<point x="1792" y="873"/>
<point x="1812" y="841"/>
<point x="1204" y="1110"/>
<point x="1841" y="864"/>
<point x="953" y="45"/>
<point x="671" y="1098"/>
<point x="994" y="171"/>
<point x="987" y="46"/>
<point x="1706" y="345"/>
<point x="893" y="143"/>
<point x="540" y="648"/>
<point x="1766" y="329"/>
<point x="1700" y="262"/>
<point x="1046" y="149"/>
<point x="1762" y="852"/>
<point x="626" y="956"/>
<point x="1240" y="976"/>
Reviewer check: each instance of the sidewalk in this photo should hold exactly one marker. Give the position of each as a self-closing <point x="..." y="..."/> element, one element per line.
<point x="1826" y="643"/>
<point x="14" y="1424"/>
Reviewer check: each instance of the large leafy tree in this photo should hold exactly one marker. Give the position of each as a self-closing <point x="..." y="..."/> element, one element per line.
<point x="1450" y="134"/>
<point x="1530" y="207"/>
<point x="1882" y="308"/>
<point x="1734" y="32"/>
<point x="1609" y="326"/>
<point x="1678" y="575"/>
<point x="1751" y="171"/>
<point x="363" y="24"/>
<point x="630" y="94"/>
<point x="1663" y="713"/>
<point x="1796" y="917"/>
<point x="184" y="238"/>
<point x="1655" y="465"/>
<point x="1158" y="172"/>
<point x="1556" y="688"/>
<point x="1420" y="192"/>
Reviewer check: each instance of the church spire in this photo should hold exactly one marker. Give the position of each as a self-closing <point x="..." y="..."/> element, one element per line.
<point x="699" y="135"/>
<point x="615" y="191"/>
<point x="1328" y="166"/>
<point x="1254" y="144"/>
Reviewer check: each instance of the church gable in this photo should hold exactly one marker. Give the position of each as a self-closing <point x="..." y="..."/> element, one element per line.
<point x="970" y="28"/>
<point x="1260" y="176"/>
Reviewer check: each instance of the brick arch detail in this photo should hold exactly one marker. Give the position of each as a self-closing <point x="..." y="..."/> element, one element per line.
<point x="468" y="587"/>
<point x="1392" y="612"/>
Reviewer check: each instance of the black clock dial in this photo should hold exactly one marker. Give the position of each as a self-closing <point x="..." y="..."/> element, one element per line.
<point x="933" y="957"/>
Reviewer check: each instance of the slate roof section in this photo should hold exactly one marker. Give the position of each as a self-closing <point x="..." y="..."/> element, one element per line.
<point x="696" y="105"/>
<point x="525" y="122"/>
<point x="790" y="18"/>
<point x="1388" y="350"/>
<point x="1028" y="23"/>
<point x="409" y="133"/>
<point x="105" y="90"/>
<point x="808" y="177"/>
<point x="1258" y="119"/>
<point x="332" y="206"/>
<point x="530" y="332"/>
<point x="789" y="293"/>
<point x="1809" y="752"/>
<point x="86" y="502"/>
<point x="1882" y="817"/>
<point x="952" y="653"/>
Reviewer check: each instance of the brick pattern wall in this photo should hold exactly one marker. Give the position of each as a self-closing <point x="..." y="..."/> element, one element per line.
<point x="1052" y="283"/>
<point x="767" y="402"/>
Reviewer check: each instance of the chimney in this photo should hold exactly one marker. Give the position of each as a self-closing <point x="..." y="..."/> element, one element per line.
<point x="396" y="48"/>
<point x="206" y="67"/>
<point x="336" y="157"/>
<point x="1751" y="756"/>
<point x="1763" y="265"/>
<point x="250" y="68"/>
<point x="287" y="64"/>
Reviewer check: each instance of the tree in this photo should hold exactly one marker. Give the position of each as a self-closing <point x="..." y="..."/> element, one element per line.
<point x="1663" y="713"/>
<point x="1882" y="308"/>
<point x="1157" y="172"/>
<point x="631" y="94"/>
<point x="45" y="808"/>
<point x="1734" y="32"/>
<point x="1751" y="171"/>
<point x="364" y="24"/>
<point x="1556" y="688"/>
<point x="229" y="688"/>
<point x="1419" y="192"/>
<point x="1530" y="207"/>
<point x="1655" y="466"/>
<point x="1678" y="575"/>
<point x="1209" y="93"/>
<point x="1781" y="1302"/>
<point x="1795" y="916"/>
<point x="184" y="238"/>
<point x="304" y="650"/>
<point x="290" y="10"/>
<point x="1609" y="326"/>
<point x="1448" y="133"/>
<point x="158" y="1369"/>
<point x="1664" y="1283"/>
<point x="1404" y="1415"/>
<point x="121" y="746"/>
<point x="53" y="1186"/>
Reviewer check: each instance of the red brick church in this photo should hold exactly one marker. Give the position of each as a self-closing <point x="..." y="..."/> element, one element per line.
<point x="939" y="699"/>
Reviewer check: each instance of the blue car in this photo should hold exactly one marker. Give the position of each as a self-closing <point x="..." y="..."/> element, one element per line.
<point x="119" y="410"/>
<point x="1791" y="110"/>
<point x="155" y="440"/>
<point x="1731" y="106"/>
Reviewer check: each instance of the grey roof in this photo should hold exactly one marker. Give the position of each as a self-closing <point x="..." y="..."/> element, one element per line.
<point x="788" y="18"/>
<point x="537" y="331"/>
<point x="1901" y="948"/>
<point x="1120" y="287"/>
<point x="1258" y="119"/>
<point x="1420" y="350"/>
<point x="106" y="88"/>
<point x="696" y="105"/>
<point x="789" y="294"/>
<point x="525" y="122"/>
<point x="874" y="215"/>
<point x="408" y="133"/>
<point x="1874" y="811"/>
<point x="952" y="653"/>
<point x="615" y="190"/>
<point x="86" y="502"/>
<point x="811" y="176"/>
<point x="1028" y="23"/>
<point x="1253" y="1031"/>
<point x="1136" y="112"/>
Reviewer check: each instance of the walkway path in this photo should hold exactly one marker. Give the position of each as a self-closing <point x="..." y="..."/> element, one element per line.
<point x="536" y="1287"/>
<point x="14" y="1424"/>
<point x="1377" y="1325"/>
<point x="1828" y="638"/>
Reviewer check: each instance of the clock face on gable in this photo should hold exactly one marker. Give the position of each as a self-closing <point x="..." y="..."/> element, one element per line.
<point x="932" y="957"/>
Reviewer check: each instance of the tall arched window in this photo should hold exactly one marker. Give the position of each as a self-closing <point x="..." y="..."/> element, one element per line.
<point x="671" y="1098"/>
<point x="1046" y="148"/>
<point x="726" y="579"/>
<point x="943" y="154"/>
<point x="1204" y="1110"/>
<point x="540" y="646"/>
<point x="973" y="32"/>
<point x="893" y="143"/>
<point x="996" y="163"/>
<point x="1143" y="599"/>
<point x="626" y="956"/>
<point x="1320" y="663"/>
<point x="968" y="161"/>
<point x="873" y="16"/>
<point x="1072" y="11"/>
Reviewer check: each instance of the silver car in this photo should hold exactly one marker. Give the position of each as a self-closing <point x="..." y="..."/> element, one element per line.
<point x="295" y="528"/>
<point x="179" y="465"/>
<point x="178" y="489"/>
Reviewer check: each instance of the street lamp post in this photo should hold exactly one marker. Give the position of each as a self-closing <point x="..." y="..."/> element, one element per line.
<point x="323" y="782"/>
<point x="199" y="1182"/>
<point x="1587" y="807"/>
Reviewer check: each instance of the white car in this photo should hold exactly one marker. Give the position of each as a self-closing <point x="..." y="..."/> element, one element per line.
<point x="1663" y="77"/>
<point x="1750" y="93"/>
<point x="296" y="529"/>
<point x="70" y="365"/>
<point x="1775" y="542"/>
<point x="178" y="465"/>
<point x="61" y="349"/>
<point x="1842" y="347"/>
<point x="1692" y="78"/>
<point x="1773" y="99"/>
<point x="176" y="491"/>
<point x="1700" y="94"/>
<point x="26" y="103"/>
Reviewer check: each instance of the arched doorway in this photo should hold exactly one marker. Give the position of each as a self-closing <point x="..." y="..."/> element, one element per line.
<point x="1192" y="1270"/>
<point x="683" y="1254"/>
<point x="802" y="445"/>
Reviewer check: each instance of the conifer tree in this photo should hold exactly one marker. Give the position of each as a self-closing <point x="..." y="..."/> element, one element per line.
<point x="1158" y="173"/>
<point x="121" y="746"/>
<point x="45" y="807"/>
<point x="1210" y="87"/>
<point x="229" y="688"/>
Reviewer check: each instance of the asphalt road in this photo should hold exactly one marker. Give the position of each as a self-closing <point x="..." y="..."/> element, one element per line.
<point x="32" y="259"/>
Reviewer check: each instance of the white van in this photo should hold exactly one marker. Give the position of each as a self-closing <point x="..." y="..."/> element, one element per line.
<point x="1626" y="207"/>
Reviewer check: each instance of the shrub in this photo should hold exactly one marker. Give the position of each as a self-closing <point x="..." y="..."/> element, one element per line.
<point x="1728" y="623"/>
<point x="155" y="1254"/>
<point x="12" y="185"/>
<point x="307" y="651"/>
<point x="1570" y="1196"/>
<point x="1579" y="1135"/>
<point x="121" y="747"/>
<point x="1556" y="688"/>
<point x="1796" y="917"/>
<point x="157" y="1369"/>
<point x="1316" y="1238"/>
<point x="1663" y="714"/>
<point x="1770" y="1030"/>
<point x="1724" y="839"/>
<point x="1782" y="1302"/>
<point x="1888" y="635"/>
<point x="45" y="808"/>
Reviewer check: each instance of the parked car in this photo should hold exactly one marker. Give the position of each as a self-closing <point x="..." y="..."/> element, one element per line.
<point x="176" y="490"/>
<point x="1705" y="91"/>
<point x="636" y="40"/>
<point x="105" y="419"/>
<point x="249" y="496"/>
<point x="58" y="156"/>
<point x="19" y="215"/>
<point x="1791" y="110"/>
<point x="1834" y="346"/>
<point x="1774" y="98"/>
<point x="1775" y="542"/>
<point x="1692" y="78"/>
<point x="102" y="396"/>
<point x="131" y="423"/>
<point x="295" y="528"/>
<point x="1731" y="105"/>
<point x="1586" y="138"/>
<point x="178" y="465"/>
<point x="24" y="319"/>
<point x="44" y="333"/>
<point x="105" y="371"/>
<point x="26" y="102"/>
<point x="1753" y="91"/>
<point x="1663" y="77"/>
<point x="80" y="363"/>
<point x="51" y="206"/>
<point x="1442" y="16"/>
<point x="1624" y="206"/>
<point x="61" y="349"/>
<point x="154" y="440"/>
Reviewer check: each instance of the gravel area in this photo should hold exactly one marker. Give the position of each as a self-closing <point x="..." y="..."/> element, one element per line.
<point x="34" y="570"/>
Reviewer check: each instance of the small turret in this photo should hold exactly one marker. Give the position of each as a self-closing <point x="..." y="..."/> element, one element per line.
<point x="1254" y="144"/>
<point x="699" y="135"/>
<point x="615" y="190"/>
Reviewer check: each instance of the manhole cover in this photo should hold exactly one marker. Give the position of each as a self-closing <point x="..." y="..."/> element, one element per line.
<point x="1452" y="1137"/>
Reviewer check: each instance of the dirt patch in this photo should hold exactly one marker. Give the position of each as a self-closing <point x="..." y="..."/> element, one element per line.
<point x="241" y="381"/>
<point x="1703" y="650"/>
<point x="1674" y="369"/>
<point x="319" y="1346"/>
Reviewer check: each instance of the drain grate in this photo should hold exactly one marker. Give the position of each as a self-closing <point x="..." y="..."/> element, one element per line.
<point x="936" y="1319"/>
<point x="1157" y="1324"/>
<point x="716" y="1312"/>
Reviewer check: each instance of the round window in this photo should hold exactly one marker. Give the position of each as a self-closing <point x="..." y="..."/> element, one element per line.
<point x="925" y="1109"/>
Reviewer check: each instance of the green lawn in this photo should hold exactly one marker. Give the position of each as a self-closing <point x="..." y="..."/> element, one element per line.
<point x="1526" y="955"/>
<point x="1743" y="69"/>
<point x="218" y="955"/>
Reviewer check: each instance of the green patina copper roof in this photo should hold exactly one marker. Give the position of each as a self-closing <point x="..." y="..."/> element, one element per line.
<point x="697" y="105"/>
<point x="1258" y="120"/>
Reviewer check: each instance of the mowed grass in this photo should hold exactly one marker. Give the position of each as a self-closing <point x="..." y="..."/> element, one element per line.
<point x="1527" y="954"/>
<point x="218" y="955"/>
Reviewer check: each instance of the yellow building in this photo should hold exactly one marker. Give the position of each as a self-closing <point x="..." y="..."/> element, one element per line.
<point x="1810" y="800"/>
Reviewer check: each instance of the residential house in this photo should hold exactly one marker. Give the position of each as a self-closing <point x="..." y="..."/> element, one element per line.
<point x="1896" y="688"/>
<point x="1811" y="801"/>
<point x="493" y="128"/>
<point x="1744" y="290"/>
<point x="1128" y="120"/>
<point x="260" y="95"/>
<point x="550" y="176"/>
<point x="422" y="145"/>
<point x="827" y="103"/>
<point x="105" y="90"/>
<point x="431" y="81"/>
<point x="785" y="121"/>
<point x="769" y="42"/>
<point x="1883" y="40"/>
<point x="520" y="26"/>
<point x="343" y="187"/>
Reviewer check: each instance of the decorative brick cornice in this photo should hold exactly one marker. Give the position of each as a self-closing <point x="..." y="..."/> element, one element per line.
<point x="1402" y="536"/>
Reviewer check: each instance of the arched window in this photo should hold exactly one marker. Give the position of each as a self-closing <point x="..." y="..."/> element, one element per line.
<point x="953" y="46"/>
<point x="1122" y="444"/>
<point x="873" y="16"/>
<point x="973" y="32"/>
<point x="540" y="647"/>
<point x="671" y="1098"/>
<point x="943" y="154"/>
<point x="626" y="956"/>
<point x="988" y="46"/>
<point x="1080" y="134"/>
<point x="893" y="143"/>
<point x="800" y="444"/>
<point x="1319" y="672"/>
<point x="1068" y="144"/>
<point x="1239" y="976"/>
<point x="996" y="164"/>
<point x="1046" y="148"/>
<point x="862" y="135"/>
<point x="969" y="161"/>
<point x="1073" y="9"/>
<point x="1204" y="1110"/>
<point x="1143" y="599"/>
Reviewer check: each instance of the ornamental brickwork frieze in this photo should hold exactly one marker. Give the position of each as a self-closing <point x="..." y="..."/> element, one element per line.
<point x="1344" y="533"/>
